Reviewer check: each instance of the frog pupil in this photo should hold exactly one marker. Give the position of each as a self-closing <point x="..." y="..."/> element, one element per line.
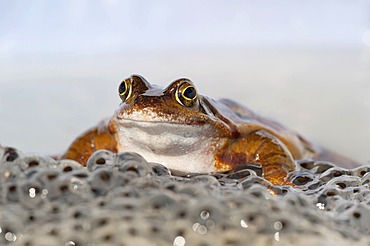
<point x="122" y="88"/>
<point x="190" y="92"/>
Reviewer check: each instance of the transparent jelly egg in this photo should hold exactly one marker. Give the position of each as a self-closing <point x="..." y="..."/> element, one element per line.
<point x="101" y="158"/>
<point x="9" y="154"/>
<point x="68" y="165"/>
<point x="35" y="161"/>
<point x="133" y="162"/>
<point x="102" y="180"/>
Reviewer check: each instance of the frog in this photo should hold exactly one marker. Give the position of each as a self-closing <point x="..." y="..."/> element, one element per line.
<point x="188" y="132"/>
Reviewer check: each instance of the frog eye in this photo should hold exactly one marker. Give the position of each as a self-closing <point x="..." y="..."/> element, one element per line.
<point x="186" y="94"/>
<point x="125" y="89"/>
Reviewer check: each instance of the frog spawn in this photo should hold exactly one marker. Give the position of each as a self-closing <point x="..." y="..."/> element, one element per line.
<point x="120" y="199"/>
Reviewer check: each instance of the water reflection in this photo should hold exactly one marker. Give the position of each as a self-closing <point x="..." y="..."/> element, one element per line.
<point x="179" y="241"/>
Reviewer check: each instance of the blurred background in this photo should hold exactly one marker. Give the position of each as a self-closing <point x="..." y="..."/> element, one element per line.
<point x="304" y="63"/>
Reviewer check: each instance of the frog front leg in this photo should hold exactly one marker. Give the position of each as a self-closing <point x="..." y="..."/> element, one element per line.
<point x="258" y="147"/>
<point x="100" y="137"/>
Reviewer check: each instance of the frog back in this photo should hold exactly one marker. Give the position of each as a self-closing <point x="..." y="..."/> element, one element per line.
<point x="245" y="121"/>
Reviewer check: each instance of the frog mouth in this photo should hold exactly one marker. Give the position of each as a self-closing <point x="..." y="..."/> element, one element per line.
<point x="151" y="117"/>
<point x="156" y="127"/>
<point x="149" y="123"/>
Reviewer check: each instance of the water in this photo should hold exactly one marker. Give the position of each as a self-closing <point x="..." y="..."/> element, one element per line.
<point x="120" y="199"/>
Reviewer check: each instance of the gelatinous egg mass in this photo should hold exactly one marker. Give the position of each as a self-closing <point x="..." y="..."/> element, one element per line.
<point x="121" y="199"/>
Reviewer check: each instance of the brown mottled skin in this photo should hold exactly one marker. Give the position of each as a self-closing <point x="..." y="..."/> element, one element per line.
<point x="250" y="138"/>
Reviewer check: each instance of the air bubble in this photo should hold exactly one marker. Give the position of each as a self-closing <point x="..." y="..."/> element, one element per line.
<point x="179" y="241"/>
<point x="10" y="237"/>
<point x="70" y="243"/>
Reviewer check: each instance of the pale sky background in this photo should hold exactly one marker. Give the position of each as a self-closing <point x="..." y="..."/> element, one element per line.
<point x="305" y="63"/>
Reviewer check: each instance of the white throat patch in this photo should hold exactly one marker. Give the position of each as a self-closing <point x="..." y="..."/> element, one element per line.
<point x="181" y="147"/>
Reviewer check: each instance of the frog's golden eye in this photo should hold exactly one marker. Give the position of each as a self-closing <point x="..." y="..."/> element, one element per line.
<point x="186" y="94"/>
<point x="125" y="89"/>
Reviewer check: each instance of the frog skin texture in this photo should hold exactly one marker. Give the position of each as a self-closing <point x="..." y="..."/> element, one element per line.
<point x="188" y="132"/>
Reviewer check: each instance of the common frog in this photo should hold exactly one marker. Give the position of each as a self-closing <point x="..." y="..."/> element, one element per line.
<point x="186" y="131"/>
